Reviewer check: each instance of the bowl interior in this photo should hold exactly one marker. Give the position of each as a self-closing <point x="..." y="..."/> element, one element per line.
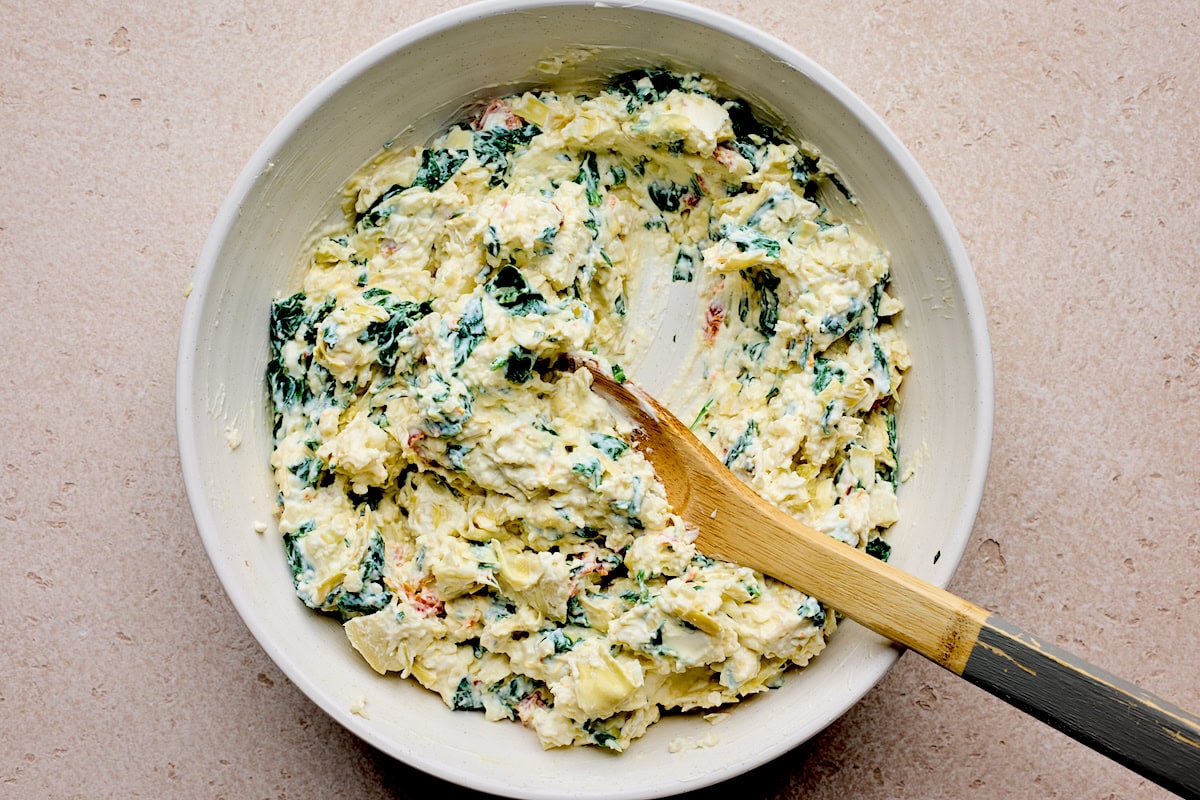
<point x="410" y="86"/>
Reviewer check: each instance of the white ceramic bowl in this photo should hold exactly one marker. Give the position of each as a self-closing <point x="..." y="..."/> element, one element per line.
<point x="415" y="83"/>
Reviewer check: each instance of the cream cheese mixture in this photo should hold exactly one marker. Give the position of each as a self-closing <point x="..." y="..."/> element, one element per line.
<point x="455" y="492"/>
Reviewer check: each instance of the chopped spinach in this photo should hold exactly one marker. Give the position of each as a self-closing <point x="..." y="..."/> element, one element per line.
<point x="589" y="178"/>
<point x="805" y="172"/>
<point x="747" y="239"/>
<point x="511" y="691"/>
<point x="295" y="556"/>
<point x="743" y="121"/>
<point x="756" y="350"/>
<point x="611" y="446"/>
<point x="824" y="371"/>
<point x="812" y="609"/>
<point x="666" y="195"/>
<point x="286" y="317"/>
<point x="308" y="470"/>
<point x="468" y="332"/>
<point x="373" y="596"/>
<point x="437" y="167"/>
<point x="590" y="469"/>
<point x="466" y="696"/>
<point x="765" y="284"/>
<point x="455" y="454"/>
<point x="827" y="415"/>
<point x="876" y="297"/>
<point x="742" y="442"/>
<point x="561" y="641"/>
<point x="576" y="615"/>
<point x="646" y="86"/>
<point x="881" y="364"/>
<point x="491" y="241"/>
<point x="544" y="245"/>
<point x="518" y="365"/>
<point x="493" y="146"/>
<point x="601" y="736"/>
<point x="386" y="334"/>
<point x="379" y="211"/>
<point x="879" y="549"/>
<point x="685" y="267"/>
<point x="510" y="290"/>
<point x="837" y="324"/>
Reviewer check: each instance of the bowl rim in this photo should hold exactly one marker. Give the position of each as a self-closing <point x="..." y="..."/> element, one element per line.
<point x="227" y="216"/>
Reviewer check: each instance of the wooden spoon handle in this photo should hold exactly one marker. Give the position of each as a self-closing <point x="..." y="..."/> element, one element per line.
<point x="1129" y="725"/>
<point x="1133" y="727"/>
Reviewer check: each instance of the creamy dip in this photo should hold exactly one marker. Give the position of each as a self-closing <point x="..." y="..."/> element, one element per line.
<point x="471" y="510"/>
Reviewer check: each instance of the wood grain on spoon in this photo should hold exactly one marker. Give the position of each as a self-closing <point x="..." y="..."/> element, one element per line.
<point x="1131" y="726"/>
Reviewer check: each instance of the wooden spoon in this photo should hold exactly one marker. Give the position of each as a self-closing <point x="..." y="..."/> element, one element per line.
<point x="1131" y="726"/>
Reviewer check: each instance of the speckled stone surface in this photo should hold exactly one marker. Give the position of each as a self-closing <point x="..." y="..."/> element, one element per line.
<point x="1061" y="137"/>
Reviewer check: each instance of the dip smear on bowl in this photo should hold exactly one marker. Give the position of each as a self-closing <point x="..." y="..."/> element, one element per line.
<point x="471" y="510"/>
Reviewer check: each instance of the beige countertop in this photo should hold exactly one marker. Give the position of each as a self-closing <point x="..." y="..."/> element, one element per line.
<point x="1061" y="137"/>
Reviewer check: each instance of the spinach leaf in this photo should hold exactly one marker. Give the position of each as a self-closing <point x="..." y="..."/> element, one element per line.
<point x="561" y="641"/>
<point x="373" y="596"/>
<point x="631" y="508"/>
<point x="466" y="697"/>
<point x="286" y="389"/>
<point x="879" y="548"/>
<point x="812" y="609"/>
<point x="765" y="283"/>
<point x="455" y="453"/>
<point x="645" y="86"/>
<point x="876" y="297"/>
<point x="756" y="350"/>
<point x="308" y="470"/>
<point x="837" y="324"/>
<point x="825" y="371"/>
<point x="589" y="178"/>
<point x="286" y="317"/>
<point x="881" y="364"/>
<point x="685" y="267"/>
<point x="437" y="167"/>
<point x="378" y="212"/>
<point x="518" y="365"/>
<point x="611" y="446"/>
<point x="576" y="615"/>
<point x="493" y="146"/>
<point x="747" y="239"/>
<point x="742" y="442"/>
<point x="590" y="469"/>
<point x="544" y="244"/>
<point x="666" y="194"/>
<point x="386" y="334"/>
<point x="510" y="290"/>
<point x="468" y="332"/>
<point x="288" y="322"/>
